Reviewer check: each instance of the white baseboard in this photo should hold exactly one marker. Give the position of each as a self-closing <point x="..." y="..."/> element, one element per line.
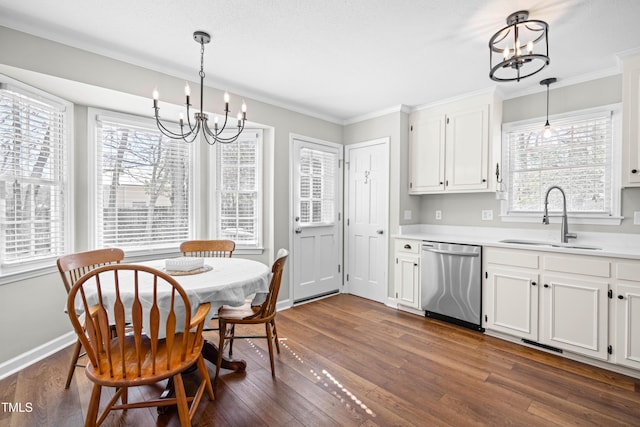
<point x="20" y="362"/>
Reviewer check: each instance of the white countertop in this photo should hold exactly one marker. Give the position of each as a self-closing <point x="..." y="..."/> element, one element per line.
<point x="616" y="245"/>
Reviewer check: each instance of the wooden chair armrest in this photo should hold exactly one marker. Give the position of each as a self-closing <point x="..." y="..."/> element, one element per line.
<point x="200" y="315"/>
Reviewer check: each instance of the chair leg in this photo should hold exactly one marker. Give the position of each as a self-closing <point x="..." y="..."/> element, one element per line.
<point x="181" y="401"/>
<point x="222" y="332"/>
<point x="269" y="340"/>
<point x="94" y="406"/>
<point x="275" y="335"/>
<point x="204" y="374"/>
<point x="233" y="334"/>
<point x="74" y="361"/>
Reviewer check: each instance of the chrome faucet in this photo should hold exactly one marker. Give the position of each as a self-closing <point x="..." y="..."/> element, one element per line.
<point x="564" y="228"/>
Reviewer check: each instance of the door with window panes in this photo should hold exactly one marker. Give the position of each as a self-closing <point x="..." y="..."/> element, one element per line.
<point x="317" y="230"/>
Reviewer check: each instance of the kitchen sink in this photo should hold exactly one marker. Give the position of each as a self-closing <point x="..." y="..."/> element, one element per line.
<point x="551" y="244"/>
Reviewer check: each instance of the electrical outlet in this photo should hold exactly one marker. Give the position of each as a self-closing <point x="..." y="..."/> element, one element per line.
<point x="636" y="218"/>
<point x="487" y="215"/>
<point x="407" y="214"/>
<point x="438" y="215"/>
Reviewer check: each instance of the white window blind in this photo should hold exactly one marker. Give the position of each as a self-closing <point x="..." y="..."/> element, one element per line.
<point x="143" y="185"/>
<point x="239" y="190"/>
<point x="32" y="177"/>
<point x="577" y="157"/>
<point x="317" y="187"/>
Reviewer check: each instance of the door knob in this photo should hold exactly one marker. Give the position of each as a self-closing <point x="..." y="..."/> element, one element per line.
<point x="379" y="231"/>
<point x="298" y="230"/>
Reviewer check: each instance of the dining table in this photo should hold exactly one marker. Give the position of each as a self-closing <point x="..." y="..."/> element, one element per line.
<point x="218" y="281"/>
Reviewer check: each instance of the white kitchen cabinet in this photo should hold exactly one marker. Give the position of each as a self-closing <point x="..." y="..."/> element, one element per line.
<point x="631" y="122"/>
<point x="574" y="314"/>
<point x="512" y="302"/>
<point x="626" y="304"/>
<point x="510" y="293"/>
<point x="407" y="272"/>
<point x="567" y="309"/>
<point x="451" y="146"/>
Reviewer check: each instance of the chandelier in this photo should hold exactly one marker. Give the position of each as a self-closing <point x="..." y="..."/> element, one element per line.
<point x="189" y="131"/>
<point x="520" y="49"/>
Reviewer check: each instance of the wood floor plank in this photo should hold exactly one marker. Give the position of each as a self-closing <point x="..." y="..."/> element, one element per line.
<point x="347" y="361"/>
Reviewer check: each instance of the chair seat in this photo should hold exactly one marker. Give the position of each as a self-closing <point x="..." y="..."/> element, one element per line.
<point x="147" y="374"/>
<point x="237" y="313"/>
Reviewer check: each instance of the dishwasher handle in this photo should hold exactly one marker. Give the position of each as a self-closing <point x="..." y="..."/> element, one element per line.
<point x="440" y="251"/>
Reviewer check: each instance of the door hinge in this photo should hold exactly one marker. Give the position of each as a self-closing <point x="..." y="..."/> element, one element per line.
<point x="447" y="120"/>
<point x="347" y="221"/>
<point x="338" y="268"/>
<point x="610" y="293"/>
<point x="411" y="185"/>
<point x="347" y="277"/>
<point x="339" y="216"/>
<point x="486" y="275"/>
<point x="610" y="350"/>
<point x="396" y="295"/>
<point x="411" y="128"/>
<point x="486" y="319"/>
<point x="396" y="260"/>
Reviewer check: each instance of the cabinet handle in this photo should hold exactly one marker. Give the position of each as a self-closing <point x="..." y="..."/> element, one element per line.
<point x="546" y="286"/>
<point x="533" y="283"/>
<point x="441" y="182"/>
<point x="415" y="264"/>
<point x="620" y="296"/>
<point x="484" y="180"/>
<point x="634" y="170"/>
<point x="407" y="246"/>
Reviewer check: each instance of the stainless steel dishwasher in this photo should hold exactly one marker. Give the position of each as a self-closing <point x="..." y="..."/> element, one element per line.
<point x="451" y="283"/>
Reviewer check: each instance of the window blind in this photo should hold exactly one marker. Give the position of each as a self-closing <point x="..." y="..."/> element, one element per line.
<point x="143" y="185"/>
<point x="577" y="157"/>
<point x="239" y="184"/>
<point x="32" y="171"/>
<point x="317" y="187"/>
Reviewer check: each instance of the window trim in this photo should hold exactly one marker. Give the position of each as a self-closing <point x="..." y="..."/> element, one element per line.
<point x="92" y="156"/>
<point x="241" y="249"/>
<point x="616" y="165"/>
<point x="23" y="270"/>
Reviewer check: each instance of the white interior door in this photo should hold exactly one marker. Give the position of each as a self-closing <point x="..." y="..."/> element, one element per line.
<point x="316" y="211"/>
<point x="367" y="219"/>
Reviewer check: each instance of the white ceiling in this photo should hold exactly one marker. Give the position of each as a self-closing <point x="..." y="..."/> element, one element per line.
<point x="336" y="59"/>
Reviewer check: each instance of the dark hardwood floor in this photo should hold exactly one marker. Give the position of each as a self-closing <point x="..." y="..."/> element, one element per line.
<point x="346" y="361"/>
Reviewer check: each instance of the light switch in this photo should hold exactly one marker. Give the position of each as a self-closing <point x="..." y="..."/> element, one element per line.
<point x="636" y="218"/>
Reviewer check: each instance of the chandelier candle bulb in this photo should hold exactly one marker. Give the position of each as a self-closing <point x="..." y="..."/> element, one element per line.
<point x="187" y="89"/>
<point x="155" y="98"/>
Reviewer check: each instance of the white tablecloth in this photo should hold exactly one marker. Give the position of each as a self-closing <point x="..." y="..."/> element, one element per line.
<point x="229" y="282"/>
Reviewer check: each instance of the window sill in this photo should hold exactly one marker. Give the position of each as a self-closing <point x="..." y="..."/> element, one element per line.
<point x="537" y="218"/>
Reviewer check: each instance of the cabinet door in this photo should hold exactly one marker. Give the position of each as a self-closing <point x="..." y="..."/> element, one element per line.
<point x="627" y="312"/>
<point x="575" y="315"/>
<point x="631" y="114"/>
<point x="407" y="280"/>
<point x="467" y="149"/>
<point x="511" y="302"/>
<point x="426" y="154"/>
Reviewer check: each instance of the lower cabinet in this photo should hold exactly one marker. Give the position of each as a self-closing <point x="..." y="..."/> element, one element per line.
<point x="575" y="315"/>
<point x="626" y="302"/>
<point x="407" y="272"/>
<point x="540" y="297"/>
<point x="511" y="302"/>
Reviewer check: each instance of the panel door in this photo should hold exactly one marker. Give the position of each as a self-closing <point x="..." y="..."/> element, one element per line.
<point x="511" y="302"/>
<point x="467" y="150"/>
<point x="627" y="312"/>
<point x="407" y="280"/>
<point x="575" y="315"/>
<point x="426" y="154"/>
<point x="317" y="229"/>
<point x="368" y="219"/>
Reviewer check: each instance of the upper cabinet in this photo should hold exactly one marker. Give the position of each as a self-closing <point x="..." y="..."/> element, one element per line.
<point x="452" y="146"/>
<point x="631" y="122"/>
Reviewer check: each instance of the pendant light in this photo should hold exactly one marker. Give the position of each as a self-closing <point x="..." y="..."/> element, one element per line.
<point x="547" y="127"/>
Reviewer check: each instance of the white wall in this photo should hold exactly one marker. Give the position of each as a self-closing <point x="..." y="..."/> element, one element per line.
<point x="91" y="80"/>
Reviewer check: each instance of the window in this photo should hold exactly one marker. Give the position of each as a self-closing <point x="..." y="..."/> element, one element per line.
<point x="579" y="156"/>
<point x="143" y="185"/>
<point x="317" y="187"/>
<point x="238" y="182"/>
<point x="33" y="178"/>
